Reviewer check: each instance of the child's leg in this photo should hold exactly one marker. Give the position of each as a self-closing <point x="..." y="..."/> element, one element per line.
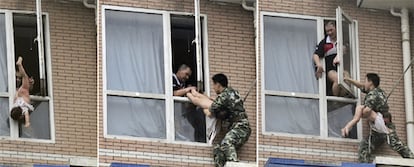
<point x="355" y="119"/>
<point x="22" y="73"/>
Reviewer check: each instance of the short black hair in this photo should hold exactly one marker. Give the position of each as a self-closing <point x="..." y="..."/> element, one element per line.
<point x="16" y="114"/>
<point x="183" y="67"/>
<point x="374" y="78"/>
<point x="221" y="79"/>
<point x="331" y="22"/>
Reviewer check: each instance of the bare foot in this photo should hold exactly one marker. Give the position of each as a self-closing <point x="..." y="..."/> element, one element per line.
<point x="27" y="124"/>
<point x="344" y="132"/>
<point x="19" y="61"/>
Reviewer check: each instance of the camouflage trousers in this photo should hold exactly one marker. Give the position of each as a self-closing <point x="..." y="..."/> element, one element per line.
<point x="377" y="139"/>
<point x="226" y="151"/>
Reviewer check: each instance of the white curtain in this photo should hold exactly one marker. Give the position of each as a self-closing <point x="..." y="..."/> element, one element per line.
<point x="3" y="56"/>
<point x="39" y="123"/>
<point x="134" y="52"/>
<point x="288" y="48"/>
<point x="292" y="115"/>
<point x="4" y="103"/>
<point x="134" y="63"/>
<point x="136" y="117"/>
<point x="4" y="117"/>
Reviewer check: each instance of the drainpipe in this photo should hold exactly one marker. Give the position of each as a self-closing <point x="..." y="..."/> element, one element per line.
<point x="256" y="42"/>
<point x="87" y="5"/>
<point x="408" y="92"/>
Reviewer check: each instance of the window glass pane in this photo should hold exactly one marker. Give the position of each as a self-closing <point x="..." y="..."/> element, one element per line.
<point x="4" y="117"/>
<point x="136" y="117"/>
<point x="339" y="114"/>
<point x="134" y="52"/>
<point x="3" y="56"/>
<point x="346" y="53"/>
<point x="288" y="48"/>
<point x="292" y="115"/>
<point x="190" y="122"/>
<point x="39" y="122"/>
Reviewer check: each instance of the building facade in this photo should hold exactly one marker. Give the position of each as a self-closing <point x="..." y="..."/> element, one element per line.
<point x="63" y="125"/>
<point x="141" y="122"/>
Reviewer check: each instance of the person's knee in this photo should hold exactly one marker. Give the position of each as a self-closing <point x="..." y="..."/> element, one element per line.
<point x="333" y="76"/>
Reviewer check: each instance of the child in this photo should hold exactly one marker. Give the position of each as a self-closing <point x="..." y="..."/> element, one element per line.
<point x="22" y="108"/>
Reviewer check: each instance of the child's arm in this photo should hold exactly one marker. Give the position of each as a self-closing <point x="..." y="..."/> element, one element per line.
<point x="354" y="82"/>
<point x="27" y="119"/>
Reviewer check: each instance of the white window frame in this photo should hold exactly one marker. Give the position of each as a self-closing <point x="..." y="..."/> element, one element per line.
<point x="340" y="15"/>
<point x="168" y="96"/>
<point x="321" y="96"/>
<point x="14" y="130"/>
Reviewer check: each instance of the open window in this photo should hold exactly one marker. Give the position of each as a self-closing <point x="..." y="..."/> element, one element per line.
<point x="290" y="105"/>
<point x="18" y="31"/>
<point x="347" y="39"/>
<point x="142" y="49"/>
<point x="26" y="46"/>
<point x="189" y="121"/>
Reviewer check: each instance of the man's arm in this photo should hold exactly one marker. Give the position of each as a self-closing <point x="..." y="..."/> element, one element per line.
<point x="182" y="92"/>
<point x="319" y="67"/>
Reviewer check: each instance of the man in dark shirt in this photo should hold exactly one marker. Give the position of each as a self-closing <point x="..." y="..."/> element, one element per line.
<point x="327" y="49"/>
<point x="193" y="114"/>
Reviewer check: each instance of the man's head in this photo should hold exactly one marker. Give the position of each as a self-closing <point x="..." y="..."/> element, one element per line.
<point x="330" y="28"/>
<point x="372" y="80"/>
<point x="219" y="82"/>
<point x="16" y="113"/>
<point x="183" y="73"/>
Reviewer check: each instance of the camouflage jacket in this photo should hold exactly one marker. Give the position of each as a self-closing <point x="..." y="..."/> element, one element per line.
<point x="228" y="106"/>
<point x="376" y="100"/>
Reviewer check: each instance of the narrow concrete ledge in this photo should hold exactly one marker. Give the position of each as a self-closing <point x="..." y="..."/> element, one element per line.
<point x="240" y="164"/>
<point x="83" y="161"/>
<point x="393" y="161"/>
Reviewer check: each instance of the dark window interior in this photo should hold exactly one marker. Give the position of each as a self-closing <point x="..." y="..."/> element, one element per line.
<point x="25" y="33"/>
<point x="183" y="49"/>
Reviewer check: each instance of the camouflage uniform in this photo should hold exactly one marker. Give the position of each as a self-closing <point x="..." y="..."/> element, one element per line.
<point x="377" y="139"/>
<point x="377" y="101"/>
<point x="228" y="107"/>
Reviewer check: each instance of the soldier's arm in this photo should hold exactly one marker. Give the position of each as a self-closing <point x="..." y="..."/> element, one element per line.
<point x="218" y="104"/>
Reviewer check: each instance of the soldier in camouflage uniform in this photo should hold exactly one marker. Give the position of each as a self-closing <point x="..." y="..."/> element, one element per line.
<point x="375" y="103"/>
<point x="228" y="107"/>
<point x="377" y="139"/>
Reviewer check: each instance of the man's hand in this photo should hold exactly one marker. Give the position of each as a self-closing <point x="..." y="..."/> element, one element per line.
<point x="319" y="71"/>
<point x="188" y="89"/>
